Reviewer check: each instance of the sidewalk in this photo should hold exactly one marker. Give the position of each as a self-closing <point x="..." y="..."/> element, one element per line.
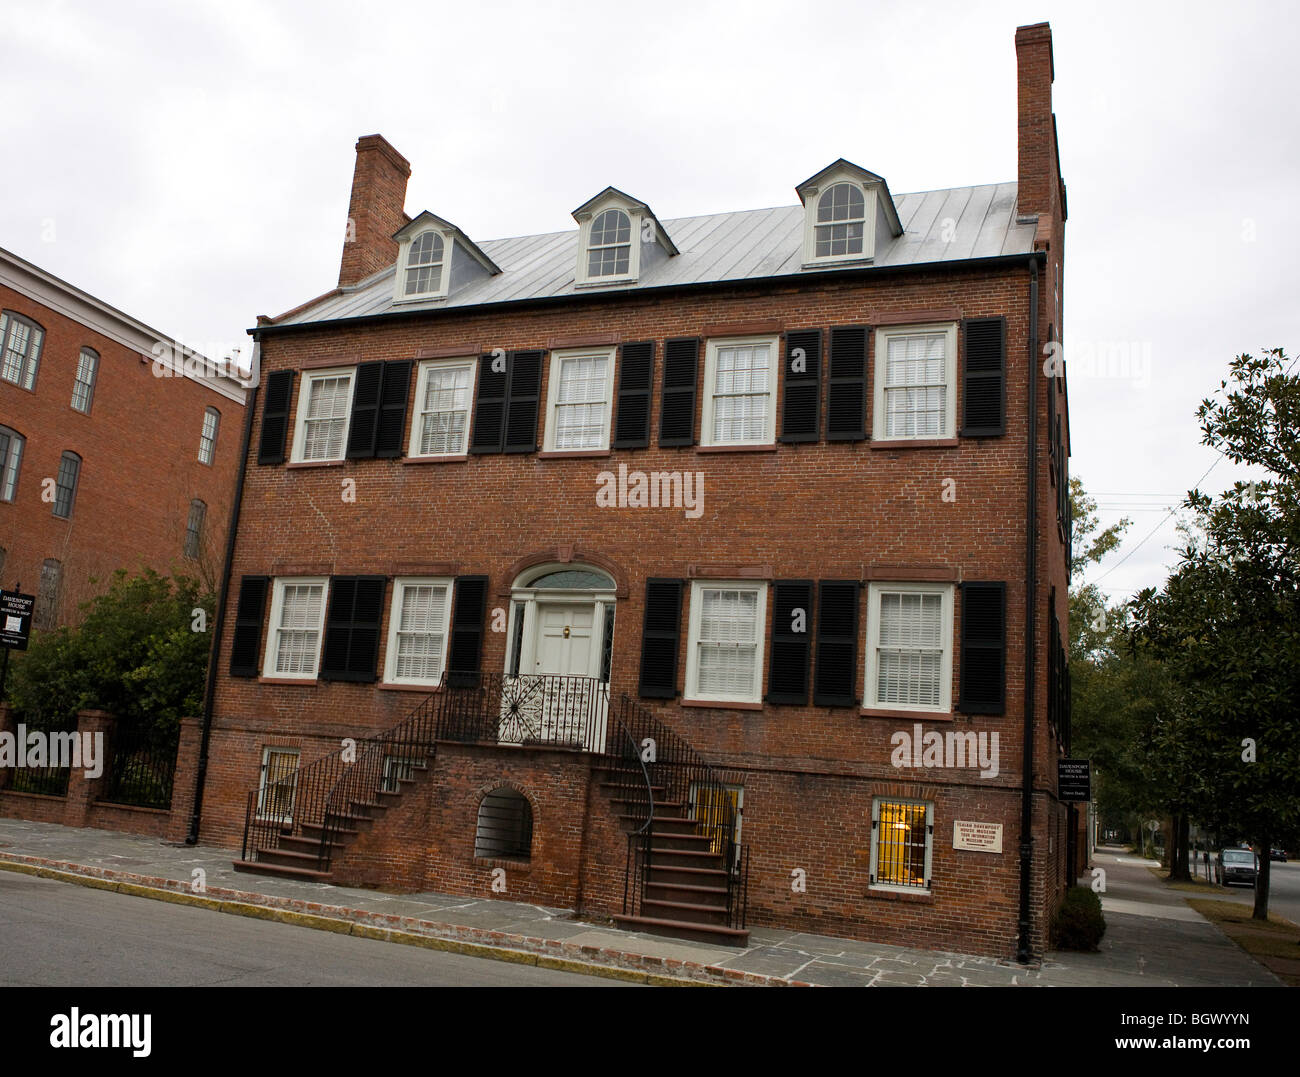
<point x="1162" y="945"/>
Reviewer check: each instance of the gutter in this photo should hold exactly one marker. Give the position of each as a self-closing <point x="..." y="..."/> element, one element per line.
<point x="250" y="406"/>
<point x="1023" y="948"/>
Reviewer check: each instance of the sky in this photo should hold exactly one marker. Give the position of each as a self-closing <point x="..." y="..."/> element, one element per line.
<point x="190" y="163"/>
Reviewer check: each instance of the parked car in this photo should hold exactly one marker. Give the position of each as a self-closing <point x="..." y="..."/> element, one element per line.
<point x="1238" y="866"/>
<point x="1277" y="854"/>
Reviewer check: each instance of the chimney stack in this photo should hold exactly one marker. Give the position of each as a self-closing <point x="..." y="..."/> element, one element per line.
<point x="376" y="210"/>
<point x="1041" y="191"/>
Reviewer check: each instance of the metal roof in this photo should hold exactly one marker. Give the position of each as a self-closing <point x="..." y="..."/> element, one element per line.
<point x="939" y="227"/>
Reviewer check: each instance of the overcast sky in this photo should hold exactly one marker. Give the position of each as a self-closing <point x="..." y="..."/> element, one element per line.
<point x="190" y="163"/>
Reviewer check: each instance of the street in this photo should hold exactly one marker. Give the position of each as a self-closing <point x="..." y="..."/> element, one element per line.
<point x="54" y="934"/>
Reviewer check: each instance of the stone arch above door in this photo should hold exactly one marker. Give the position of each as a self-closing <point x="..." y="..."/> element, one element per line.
<point x="564" y="555"/>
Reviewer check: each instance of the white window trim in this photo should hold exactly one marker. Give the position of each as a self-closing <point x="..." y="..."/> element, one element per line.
<point x="710" y="382"/>
<point x="874" y="591"/>
<point x="870" y="210"/>
<point x="634" y="216"/>
<point x="421" y="385"/>
<point x="267" y="751"/>
<point x="929" y="845"/>
<point x="693" y="639"/>
<point x="216" y="433"/>
<point x="881" y="354"/>
<point x="394" y="624"/>
<point x="553" y="390"/>
<point x="300" y="417"/>
<point x="444" y="279"/>
<point x="273" y="627"/>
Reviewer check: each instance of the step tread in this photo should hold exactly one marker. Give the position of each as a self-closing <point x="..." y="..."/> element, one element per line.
<point x="738" y="933"/>
<point x="258" y="867"/>
<point x="662" y="903"/>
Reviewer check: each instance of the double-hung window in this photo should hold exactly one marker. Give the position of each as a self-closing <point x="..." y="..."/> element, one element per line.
<point x="424" y="265"/>
<point x="20" y="348"/>
<point x="279" y="783"/>
<point x="324" y="403"/>
<point x="916" y="383"/>
<point x="580" y="394"/>
<point x="194" y="528"/>
<point x="208" y="435"/>
<point x="65" y="484"/>
<point x="725" y="657"/>
<point x="11" y="458"/>
<point x="902" y="841"/>
<point x="909" y="647"/>
<point x="609" y="247"/>
<point x="297" y="622"/>
<point x="83" y="386"/>
<point x="417" y="631"/>
<point x="442" y="402"/>
<point x="740" y="392"/>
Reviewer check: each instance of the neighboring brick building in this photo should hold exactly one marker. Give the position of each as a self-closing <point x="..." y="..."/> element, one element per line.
<point x="753" y="486"/>
<point x="104" y="464"/>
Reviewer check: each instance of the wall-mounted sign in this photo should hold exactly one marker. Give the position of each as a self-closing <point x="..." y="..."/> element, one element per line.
<point x="15" y="619"/>
<point x="981" y="837"/>
<point x="1074" y="779"/>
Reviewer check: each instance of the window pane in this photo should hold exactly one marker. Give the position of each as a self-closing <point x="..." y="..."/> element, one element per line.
<point x="728" y="652"/>
<point x="445" y="411"/>
<point x="327" y="418"/>
<point x="909" y="657"/>
<point x="420" y="632"/>
<point x="915" y="386"/>
<point x="65" y="485"/>
<point x="84" y="384"/>
<point x="11" y="455"/>
<point x="580" y="403"/>
<point x="740" y="397"/>
<point x="901" y="838"/>
<point x="208" y="437"/>
<point x="299" y="628"/>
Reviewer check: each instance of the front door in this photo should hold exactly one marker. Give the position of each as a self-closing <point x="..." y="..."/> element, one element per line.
<point x="565" y="640"/>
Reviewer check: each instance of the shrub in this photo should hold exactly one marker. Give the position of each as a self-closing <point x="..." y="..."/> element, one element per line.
<point x="1079" y="924"/>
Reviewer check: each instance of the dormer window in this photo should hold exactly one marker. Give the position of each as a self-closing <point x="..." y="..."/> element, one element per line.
<point x="619" y="240"/>
<point x="849" y="216"/>
<point x="424" y="265"/>
<point x="609" y="252"/>
<point x="841" y="221"/>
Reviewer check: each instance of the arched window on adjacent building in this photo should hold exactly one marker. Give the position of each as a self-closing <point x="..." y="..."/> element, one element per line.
<point x="20" y="348"/>
<point x="65" y="485"/>
<point x="47" y="595"/>
<point x="505" y="826"/>
<point x="83" y="387"/>
<point x="11" y="458"/>
<point x="208" y="437"/>
<point x="194" y="528"/>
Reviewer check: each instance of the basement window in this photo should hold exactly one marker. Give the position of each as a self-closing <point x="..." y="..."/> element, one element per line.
<point x="902" y="833"/>
<point x="505" y="826"/>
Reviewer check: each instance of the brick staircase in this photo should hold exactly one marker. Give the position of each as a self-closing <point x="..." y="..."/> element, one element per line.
<point x="686" y="886"/>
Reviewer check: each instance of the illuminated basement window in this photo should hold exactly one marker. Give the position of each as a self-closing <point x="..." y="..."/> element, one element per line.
<point x="901" y="833"/>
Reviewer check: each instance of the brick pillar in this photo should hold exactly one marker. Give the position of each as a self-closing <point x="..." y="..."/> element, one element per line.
<point x="375" y="210"/>
<point x="7" y="725"/>
<point x="82" y="791"/>
<point x="187" y="766"/>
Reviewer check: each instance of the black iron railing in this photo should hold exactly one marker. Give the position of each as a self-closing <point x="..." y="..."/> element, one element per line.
<point x="140" y="766"/>
<point x="50" y="780"/>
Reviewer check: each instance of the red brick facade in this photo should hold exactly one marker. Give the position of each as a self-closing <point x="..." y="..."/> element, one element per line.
<point x="951" y="510"/>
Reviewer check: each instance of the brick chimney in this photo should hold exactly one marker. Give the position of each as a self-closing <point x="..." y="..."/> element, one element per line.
<point x="1041" y="191"/>
<point x="376" y="210"/>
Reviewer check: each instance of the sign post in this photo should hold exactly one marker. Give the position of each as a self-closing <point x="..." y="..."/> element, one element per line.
<point x="15" y="627"/>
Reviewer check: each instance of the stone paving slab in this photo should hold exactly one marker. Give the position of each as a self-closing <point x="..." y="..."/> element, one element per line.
<point x="1138" y="950"/>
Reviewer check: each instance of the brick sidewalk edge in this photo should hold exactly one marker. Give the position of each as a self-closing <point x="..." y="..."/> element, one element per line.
<point x="407" y="930"/>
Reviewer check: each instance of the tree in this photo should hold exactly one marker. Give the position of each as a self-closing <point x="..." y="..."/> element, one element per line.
<point x="1226" y="624"/>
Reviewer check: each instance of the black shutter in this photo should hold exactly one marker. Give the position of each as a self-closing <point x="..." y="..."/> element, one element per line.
<point x="787" y="681"/>
<point x="524" y="400"/>
<point x="246" y="646"/>
<point x="490" y="404"/>
<point x="635" y="382"/>
<point x="983" y="648"/>
<point x="468" y="612"/>
<point x="984" y="384"/>
<point x="275" y="417"/>
<point x="681" y="371"/>
<point x="659" y="638"/>
<point x="846" y="403"/>
<point x="392" y="408"/>
<point x="365" y="411"/>
<point x="351" y="649"/>
<point x="801" y="414"/>
<point x="837" y="643"/>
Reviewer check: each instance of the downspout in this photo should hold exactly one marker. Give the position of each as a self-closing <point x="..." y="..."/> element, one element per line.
<point x="250" y="405"/>
<point x="1031" y="601"/>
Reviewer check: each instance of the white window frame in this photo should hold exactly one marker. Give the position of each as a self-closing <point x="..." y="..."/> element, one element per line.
<point x="29" y="364"/>
<point x="400" y="586"/>
<point x="267" y="752"/>
<point x="206" y="442"/>
<point x="553" y="396"/>
<point x="11" y="463"/>
<point x="273" y="627"/>
<point x="870" y="210"/>
<point x="635" y="218"/>
<point x="698" y="587"/>
<point x="711" y="381"/>
<point x="86" y="387"/>
<point x="309" y="377"/>
<point x="427" y="367"/>
<point x="874" y="591"/>
<point x="403" y="259"/>
<point x="875" y="845"/>
<point x="880" y="370"/>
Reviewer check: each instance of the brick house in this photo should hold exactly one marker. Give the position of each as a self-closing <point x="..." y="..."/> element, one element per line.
<point x="118" y="447"/>
<point x="703" y="573"/>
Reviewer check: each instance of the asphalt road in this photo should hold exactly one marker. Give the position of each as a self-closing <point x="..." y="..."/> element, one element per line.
<point x="55" y="934"/>
<point x="1283" y="891"/>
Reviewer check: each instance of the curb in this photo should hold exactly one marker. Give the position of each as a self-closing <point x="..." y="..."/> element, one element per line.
<point x="406" y="930"/>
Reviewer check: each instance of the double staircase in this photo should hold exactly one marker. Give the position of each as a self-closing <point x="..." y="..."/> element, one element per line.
<point x="685" y="875"/>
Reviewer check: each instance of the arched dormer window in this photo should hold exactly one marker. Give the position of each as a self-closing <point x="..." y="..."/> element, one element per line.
<point x="841" y="221"/>
<point x="609" y="251"/>
<point x="424" y="265"/>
